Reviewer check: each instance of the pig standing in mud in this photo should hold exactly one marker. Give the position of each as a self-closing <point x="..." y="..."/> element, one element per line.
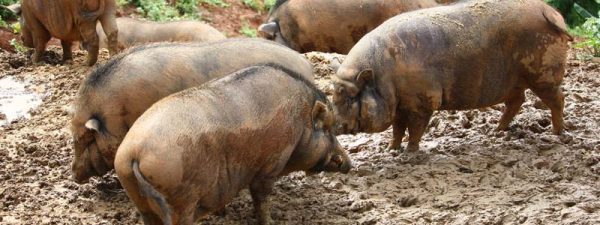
<point x="330" y="25"/>
<point x="192" y="152"/>
<point x="135" y="32"/>
<point x="68" y="21"/>
<point x="115" y="94"/>
<point x="465" y="56"/>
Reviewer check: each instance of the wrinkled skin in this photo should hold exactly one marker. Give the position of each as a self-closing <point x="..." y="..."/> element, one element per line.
<point x="115" y="94"/>
<point x="135" y="32"/>
<point x="455" y="57"/>
<point x="340" y="23"/>
<point x="69" y="21"/>
<point x="241" y="136"/>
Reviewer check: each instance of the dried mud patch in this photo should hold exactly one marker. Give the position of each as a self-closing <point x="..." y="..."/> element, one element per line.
<point x="470" y="174"/>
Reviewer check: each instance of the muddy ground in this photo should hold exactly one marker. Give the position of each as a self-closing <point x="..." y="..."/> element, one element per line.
<point x="470" y="175"/>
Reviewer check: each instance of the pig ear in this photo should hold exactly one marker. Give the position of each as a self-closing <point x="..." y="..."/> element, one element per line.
<point x="350" y="87"/>
<point x="364" y="77"/>
<point x="93" y="124"/>
<point x="269" y="28"/>
<point x="335" y="64"/>
<point x="318" y="113"/>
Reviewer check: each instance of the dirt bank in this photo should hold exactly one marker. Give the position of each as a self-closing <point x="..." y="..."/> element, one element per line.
<point x="471" y="175"/>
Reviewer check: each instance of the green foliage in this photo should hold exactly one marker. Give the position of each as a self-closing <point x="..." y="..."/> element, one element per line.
<point x="219" y="3"/>
<point x="254" y="4"/>
<point x="576" y="11"/>
<point x="160" y="10"/>
<point x="260" y="5"/>
<point x="6" y="14"/>
<point x="248" y="31"/>
<point x="2" y="23"/>
<point x="16" y="28"/>
<point x="17" y="45"/>
<point x="590" y="30"/>
<point x="123" y="2"/>
<point x="269" y="4"/>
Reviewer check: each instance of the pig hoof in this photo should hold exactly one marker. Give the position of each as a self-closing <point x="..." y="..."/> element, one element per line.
<point x="412" y="148"/>
<point x="558" y="132"/>
<point x="265" y="221"/>
<point x="221" y="212"/>
<point x="392" y="147"/>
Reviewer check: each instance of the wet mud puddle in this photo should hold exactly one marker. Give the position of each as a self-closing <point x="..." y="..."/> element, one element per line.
<point x="16" y="100"/>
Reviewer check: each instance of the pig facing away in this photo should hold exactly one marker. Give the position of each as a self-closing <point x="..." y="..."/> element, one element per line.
<point x="69" y="21"/>
<point x="192" y="152"/>
<point x="115" y="94"/>
<point x="330" y="25"/>
<point x="464" y="56"/>
<point x="134" y="32"/>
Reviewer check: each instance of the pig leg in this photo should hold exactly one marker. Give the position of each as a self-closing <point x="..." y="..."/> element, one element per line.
<point x="513" y="104"/>
<point x="67" y="54"/>
<point x="554" y="98"/>
<point x="416" y="128"/>
<point x="26" y="37"/>
<point x="260" y="190"/>
<point x="91" y="41"/>
<point x="132" y="188"/>
<point x="40" y="37"/>
<point x="399" y="129"/>
<point x="109" y="25"/>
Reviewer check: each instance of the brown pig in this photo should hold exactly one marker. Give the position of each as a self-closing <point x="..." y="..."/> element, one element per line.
<point x="134" y="32"/>
<point x="464" y="56"/>
<point x="192" y="152"/>
<point x="115" y="94"/>
<point x="69" y="21"/>
<point x="330" y="25"/>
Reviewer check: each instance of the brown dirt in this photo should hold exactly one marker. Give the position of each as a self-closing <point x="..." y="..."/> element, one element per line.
<point x="5" y="38"/>
<point x="229" y="20"/>
<point x="471" y="175"/>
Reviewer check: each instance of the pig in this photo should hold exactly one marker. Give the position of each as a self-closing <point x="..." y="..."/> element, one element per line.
<point x="115" y="94"/>
<point x="69" y="21"/>
<point x="134" y="32"/>
<point x="330" y="25"/>
<point x="463" y="56"/>
<point x="193" y="151"/>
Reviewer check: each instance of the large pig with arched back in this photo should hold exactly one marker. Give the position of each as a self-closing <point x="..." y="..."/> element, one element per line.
<point x="464" y="56"/>
<point x="69" y="21"/>
<point x="136" y="32"/>
<point x="192" y="152"/>
<point x="330" y="25"/>
<point x="115" y="94"/>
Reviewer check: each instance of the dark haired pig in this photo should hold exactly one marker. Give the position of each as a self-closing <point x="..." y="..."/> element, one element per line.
<point x="464" y="56"/>
<point x="192" y="152"/>
<point x="134" y="32"/>
<point x="67" y="20"/>
<point x="115" y="94"/>
<point x="330" y="25"/>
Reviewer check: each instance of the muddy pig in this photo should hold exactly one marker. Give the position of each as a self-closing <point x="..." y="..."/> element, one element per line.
<point x="330" y="25"/>
<point x="115" y="94"/>
<point x="464" y="56"/>
<point x="68" y="20"/>
<point x="192" y="152"/>
<point x="133" y="32"/>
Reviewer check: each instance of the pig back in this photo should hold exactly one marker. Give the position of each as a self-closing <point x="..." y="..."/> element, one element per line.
<point x="122" y="89"/>
<point x="340" y="24"/>
<point x="474" y="51"/>
<point x="237" y="127"/>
